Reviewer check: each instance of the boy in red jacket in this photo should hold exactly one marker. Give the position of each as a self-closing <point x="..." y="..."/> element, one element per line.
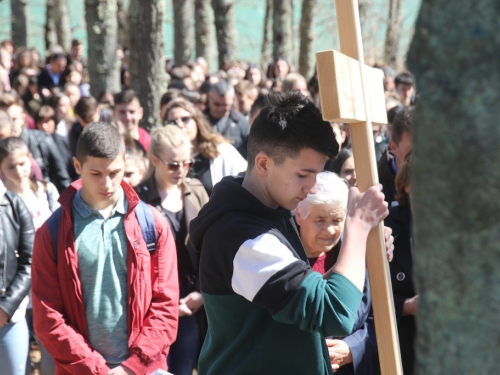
<point x="102" y="302"/>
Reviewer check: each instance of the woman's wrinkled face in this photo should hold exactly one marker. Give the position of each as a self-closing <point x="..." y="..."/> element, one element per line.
<point x="320" y="230"/>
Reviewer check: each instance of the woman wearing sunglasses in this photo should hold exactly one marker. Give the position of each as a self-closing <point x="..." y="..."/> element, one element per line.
<point x="179" y="198"/>
<point x="214" y="157"/>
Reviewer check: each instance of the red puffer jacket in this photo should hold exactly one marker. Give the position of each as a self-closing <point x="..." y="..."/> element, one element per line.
<point x="153" y="295"/>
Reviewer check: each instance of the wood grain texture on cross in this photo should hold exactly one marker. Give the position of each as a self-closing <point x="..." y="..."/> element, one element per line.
<point x="353" y="93"/>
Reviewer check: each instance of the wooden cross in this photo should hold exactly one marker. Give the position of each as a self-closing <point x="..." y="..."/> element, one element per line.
<point x="352" y="92"/>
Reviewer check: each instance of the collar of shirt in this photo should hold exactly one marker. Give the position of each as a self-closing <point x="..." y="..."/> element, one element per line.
<point x="84" y="210"/>
<point x="55" y="76"/>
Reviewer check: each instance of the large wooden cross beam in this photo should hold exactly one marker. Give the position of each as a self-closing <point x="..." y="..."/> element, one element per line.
<point x="352" y="92"/>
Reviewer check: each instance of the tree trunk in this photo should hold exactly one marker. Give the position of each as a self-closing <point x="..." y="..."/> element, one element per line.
<point x="121" y="16"/>
<point x="266" y="39"/>
<point x="103" y="67"/>
<point x="282" y="29"/>
<point x="393" y="34"/>
<point x="183" y="13"/>
<point x="306" y="37"/>
<point x="19" y="22"/>
<point x="202" y="28"/>
<point x="225" y="31"/>
<point x="50" y="26"/>
<point x="147" y="70"/>
<point x="62" y="24"/>
<point x="456" y="217"/>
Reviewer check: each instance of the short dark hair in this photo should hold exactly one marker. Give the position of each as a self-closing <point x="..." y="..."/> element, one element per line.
<point x="99" y="140"/>
<point x="405" y="78"/>
<point x="126" y="96"/>
<point x="85" y="108"/>
<point x="56" y="56"/>
<point x="223" y="88"/>
<point x="402" y="124"/>
<point x="258" y="104"/>
<point x="336" y="165"/>
<point x="288" y="124"/>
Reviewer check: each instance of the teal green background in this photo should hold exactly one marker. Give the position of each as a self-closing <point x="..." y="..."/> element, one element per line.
<point x="249" y="24"/>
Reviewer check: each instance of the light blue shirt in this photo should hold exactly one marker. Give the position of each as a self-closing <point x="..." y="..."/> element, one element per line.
<point x="101" y="245"/>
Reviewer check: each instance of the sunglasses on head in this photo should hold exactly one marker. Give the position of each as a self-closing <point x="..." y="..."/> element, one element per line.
<point x="175" y="166"/>
<point x="184" y="120"/>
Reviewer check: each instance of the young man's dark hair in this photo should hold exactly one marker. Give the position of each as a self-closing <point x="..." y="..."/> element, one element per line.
<point x="76" y="43"/>
<point x="405" y="78"/>
<point x="401" y="124"/>
<point x="85" y="108"/>
<point x="125" y="97"/>
<point x="287" y="125"/>
<point x="99" y="140"/>
<point x="56" y="56"/>
<point x="391" y="114"/>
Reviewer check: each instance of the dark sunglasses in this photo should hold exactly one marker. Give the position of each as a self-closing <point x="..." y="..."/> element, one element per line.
<point x="184" y="121"/>
<point x="175" y="166"/>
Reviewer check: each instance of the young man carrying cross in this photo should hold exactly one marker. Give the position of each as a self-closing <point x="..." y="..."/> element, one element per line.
<point x="268" y="312"/>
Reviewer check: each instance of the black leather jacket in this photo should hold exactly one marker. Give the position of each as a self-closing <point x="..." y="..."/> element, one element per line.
<point x="16" y="240"/>
<point x="45" y="152"/>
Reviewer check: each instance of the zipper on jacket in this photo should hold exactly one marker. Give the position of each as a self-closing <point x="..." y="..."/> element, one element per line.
<point x="4" y="276"/>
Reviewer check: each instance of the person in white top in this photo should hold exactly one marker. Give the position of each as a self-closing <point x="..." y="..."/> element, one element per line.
<point x="214" y="156"/>
<point x="15" y="167"/>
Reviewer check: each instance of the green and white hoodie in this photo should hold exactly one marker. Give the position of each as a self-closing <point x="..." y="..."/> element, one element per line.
<point x="268" y="312"/>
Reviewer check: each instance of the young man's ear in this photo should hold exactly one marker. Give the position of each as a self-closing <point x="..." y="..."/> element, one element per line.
<point x="262" y="161"/>
<point x="78" y="165"/>
<point x="392" y="146"/>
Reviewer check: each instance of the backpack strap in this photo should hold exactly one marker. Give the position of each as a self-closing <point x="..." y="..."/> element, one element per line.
<point x="146" y="220"/>
<point x="53" y="222"/>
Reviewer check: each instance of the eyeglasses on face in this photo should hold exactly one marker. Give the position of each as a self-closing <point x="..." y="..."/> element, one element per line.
<point x="183" y="121"/>
<point x="175" y="166"/>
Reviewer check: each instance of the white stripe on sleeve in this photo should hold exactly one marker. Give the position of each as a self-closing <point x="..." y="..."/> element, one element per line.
<point x="256" y="261"/>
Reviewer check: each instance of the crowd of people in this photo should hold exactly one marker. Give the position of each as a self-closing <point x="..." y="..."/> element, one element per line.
<point x="108" y="299"/>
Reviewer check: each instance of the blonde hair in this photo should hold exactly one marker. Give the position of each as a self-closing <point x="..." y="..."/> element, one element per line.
<point x="166" y="136"/>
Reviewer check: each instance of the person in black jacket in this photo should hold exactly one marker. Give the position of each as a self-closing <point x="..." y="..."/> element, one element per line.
<point x="42" y="147"/>
<point x="405" y="297"/>
<point x="399" y="146"/>
<point x="51" y="76"/>
<point x="16" y="245"/>
<point x="225" y="120"/>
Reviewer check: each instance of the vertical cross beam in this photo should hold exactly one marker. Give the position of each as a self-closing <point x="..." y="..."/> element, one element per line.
<point x="347" y="95"/>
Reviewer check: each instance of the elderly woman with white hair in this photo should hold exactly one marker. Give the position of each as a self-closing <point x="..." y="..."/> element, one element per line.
<point x="321" y="217"/>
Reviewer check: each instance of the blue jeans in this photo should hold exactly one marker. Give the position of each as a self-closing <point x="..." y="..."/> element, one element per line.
<point x="14" y="340"/>
<point x="183" y="356"/>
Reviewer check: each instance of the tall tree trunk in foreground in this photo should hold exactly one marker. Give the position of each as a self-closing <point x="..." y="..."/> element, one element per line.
<point x="183" y="14"/>
<point x="266" y="38"/>
<point x="225" y="31"/>
<point x="19" y="22"/>
<point x="202" y="28"/>
<point x="62" y="24"/>
<point x="50" y="26"/>
<point x="282" y="29"/>
<point x="102" y="27"/>
<point x="306" y="37"/>
<point x="121" y="16"/>
<point x="457" y="218"/>
<point x="393" y="34"/>
<point x="147" y="70"/>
